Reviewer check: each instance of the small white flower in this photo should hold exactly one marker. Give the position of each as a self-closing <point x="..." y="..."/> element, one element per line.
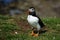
<point x="16" y="33"/>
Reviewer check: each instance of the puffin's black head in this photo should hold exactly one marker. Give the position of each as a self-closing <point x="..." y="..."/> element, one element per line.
<point x="31" y="9"/>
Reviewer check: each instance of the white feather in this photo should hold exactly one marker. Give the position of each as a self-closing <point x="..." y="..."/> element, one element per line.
<point x="33" y="21"/>
<point x="31" y="10"/>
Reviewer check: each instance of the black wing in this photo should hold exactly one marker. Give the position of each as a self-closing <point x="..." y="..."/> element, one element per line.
<point x="40" y="22"/>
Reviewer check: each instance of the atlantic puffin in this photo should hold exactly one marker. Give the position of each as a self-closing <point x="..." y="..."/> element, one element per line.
<point x="35" y="22"/>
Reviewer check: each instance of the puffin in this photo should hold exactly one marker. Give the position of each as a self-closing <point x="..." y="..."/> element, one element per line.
<point x="36" y="23"/>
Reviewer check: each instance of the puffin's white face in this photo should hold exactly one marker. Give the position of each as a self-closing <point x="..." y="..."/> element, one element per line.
<point x="31" y="10"/>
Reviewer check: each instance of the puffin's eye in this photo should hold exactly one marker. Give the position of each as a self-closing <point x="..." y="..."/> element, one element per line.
<point x="32" y="9"/>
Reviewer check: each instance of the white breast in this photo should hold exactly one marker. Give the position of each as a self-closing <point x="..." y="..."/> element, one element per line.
<point x="33" y="21"/>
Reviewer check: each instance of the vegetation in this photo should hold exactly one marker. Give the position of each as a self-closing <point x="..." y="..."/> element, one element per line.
<point x="10" y="29"/>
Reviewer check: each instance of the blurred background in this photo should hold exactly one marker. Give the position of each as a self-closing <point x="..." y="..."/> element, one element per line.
<point x="44" y="8"/>
<point x="13" y="19"/>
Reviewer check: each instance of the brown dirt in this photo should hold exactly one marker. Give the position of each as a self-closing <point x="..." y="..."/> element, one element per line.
<point x="23" y="24"/>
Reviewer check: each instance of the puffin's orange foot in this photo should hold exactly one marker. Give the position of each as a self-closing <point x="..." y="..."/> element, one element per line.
<point x="32" y="33"/>
<point x="36" y="35"/>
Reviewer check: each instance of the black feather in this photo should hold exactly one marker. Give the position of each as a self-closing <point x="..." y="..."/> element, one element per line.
<point x="40" y="21"/>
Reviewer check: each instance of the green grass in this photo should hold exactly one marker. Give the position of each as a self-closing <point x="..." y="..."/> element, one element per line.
<point x="8" y="28"/>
